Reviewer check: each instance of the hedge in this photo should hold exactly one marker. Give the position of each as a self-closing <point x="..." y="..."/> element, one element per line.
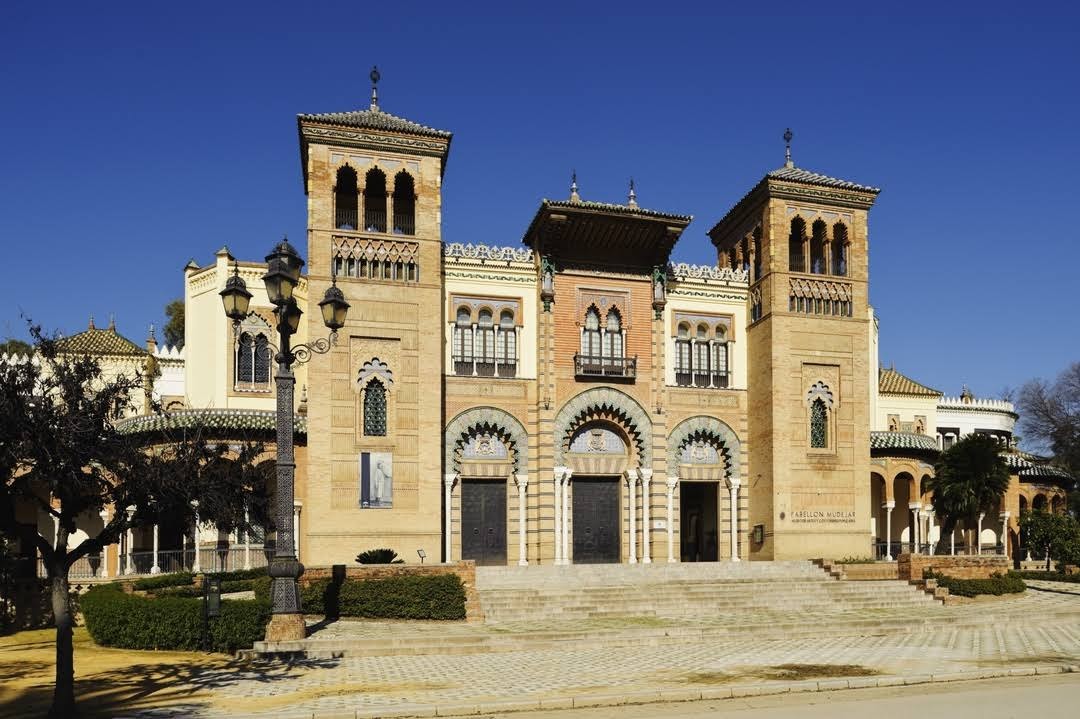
<point x="239" y="574"/>
<point x="996" y="585"/>
<point x="131" y="621"/>
<point x="227" y="587"/>
<point x="1050" y="576"/>
<point x="177" y="579"/>
<point x="440" y="596"/>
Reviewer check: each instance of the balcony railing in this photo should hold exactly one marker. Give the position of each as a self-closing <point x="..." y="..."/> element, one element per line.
<point x="797" y="263"/>
<point x="345" y="219"/>
<point x="211" y="559"/>
<point x="689" y="378"/>
<point x="404" y="224"/>
<point x="599" y="366"/>
<point x="473" y="367"/>
<point x="375" y="220"/>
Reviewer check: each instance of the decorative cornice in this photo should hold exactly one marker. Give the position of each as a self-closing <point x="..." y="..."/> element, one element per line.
<point x="370" y="141"/>
<point x="485" y="253"/>
<point x="684" y="272"/>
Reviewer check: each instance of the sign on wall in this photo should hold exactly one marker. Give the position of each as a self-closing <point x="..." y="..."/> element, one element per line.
<point x="376" y="480"/>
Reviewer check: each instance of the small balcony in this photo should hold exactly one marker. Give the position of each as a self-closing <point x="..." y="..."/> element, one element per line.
<point x="693" y="378"/>
<point x="606" y="367"/>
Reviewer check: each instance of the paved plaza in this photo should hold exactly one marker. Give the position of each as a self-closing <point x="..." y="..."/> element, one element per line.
<point x="1041" y="635"/>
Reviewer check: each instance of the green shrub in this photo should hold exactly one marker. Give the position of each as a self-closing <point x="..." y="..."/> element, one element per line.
<point x="379" y="556"/>
<point x="227" y="587"/>
<point x="406" y="597"/>
<point x="996" y="585"/>
<point x="1050" y="576"/>
<point x="131" y="621"/>
<point x="239" y="574"/>
<point x="177" y="579"/>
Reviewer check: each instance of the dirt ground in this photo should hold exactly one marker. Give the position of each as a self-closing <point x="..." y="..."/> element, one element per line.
<point x="108" y="681"/>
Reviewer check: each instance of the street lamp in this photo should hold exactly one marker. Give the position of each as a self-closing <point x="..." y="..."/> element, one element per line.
<point x="281" y="278"/>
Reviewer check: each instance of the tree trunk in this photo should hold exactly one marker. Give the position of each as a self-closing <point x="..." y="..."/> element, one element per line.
<point x="63" y="704"/>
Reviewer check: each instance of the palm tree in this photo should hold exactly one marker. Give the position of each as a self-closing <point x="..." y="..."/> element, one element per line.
<point x="970" y="478"/>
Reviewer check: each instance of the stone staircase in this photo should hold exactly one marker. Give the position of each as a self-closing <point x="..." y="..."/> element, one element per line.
<point x="709" y="592"/>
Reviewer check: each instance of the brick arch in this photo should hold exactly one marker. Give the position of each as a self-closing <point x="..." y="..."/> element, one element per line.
<point x="693" y="427"/>
<point x="490" y="419"/>
<point x="610" y="404"/>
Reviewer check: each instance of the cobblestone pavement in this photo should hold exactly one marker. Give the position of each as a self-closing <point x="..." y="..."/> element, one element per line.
<point x="364" y="683"/>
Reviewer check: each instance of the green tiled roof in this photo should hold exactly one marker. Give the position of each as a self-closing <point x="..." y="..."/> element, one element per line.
<point x="1045" y="470"/>
<point x="375" y="119"/>
<point x="796" y="174"/>
<point x="892" y="382"/>
<point x="617" y="209"/>
<point x="220" y="420"/>
<point x="99" y="342"/>
<point x="902" y="440"/>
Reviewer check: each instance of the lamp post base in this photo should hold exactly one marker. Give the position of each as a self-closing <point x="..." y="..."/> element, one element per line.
<point x="286" y="628"/>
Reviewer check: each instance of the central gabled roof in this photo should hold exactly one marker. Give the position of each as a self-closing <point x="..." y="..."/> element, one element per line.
<point x="797" y="174"/>
<point x="892" y="382"/>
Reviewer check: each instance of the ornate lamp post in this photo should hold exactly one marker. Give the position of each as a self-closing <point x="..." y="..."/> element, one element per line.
<point x="281" y="278"/>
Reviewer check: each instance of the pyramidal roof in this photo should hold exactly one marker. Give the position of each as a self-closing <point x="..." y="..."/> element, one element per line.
<point x="94" y="341"/>
<point x="797" y="174"/>
<point x="892" y="382"/>
<point x="375" y="119"/>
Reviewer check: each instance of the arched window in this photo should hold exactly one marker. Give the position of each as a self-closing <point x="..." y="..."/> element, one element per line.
<point x="404" y="204"/>
<point x="701" y="356"/>
<point x="819" y="424"/>
<point x="613" y="339"/>
<point x="839" y="249"/>
<point x="463" y="342"/>
<point x="252" y="363"/>
<point x="720" y="358"/>
<point x="375" y="200"/>
<point x="375" y="409"/>
<point x="683" y="376"/>
<point x="345" y="199"/>
<point x="817" y="247"/>
<point x="757" y="255"/>
<point x="506" y="345"/>
<point x="796" y="258"/>
<point x="744" y="250"/>
<point x="590" y="336"/>
<point x="484" y="349"/>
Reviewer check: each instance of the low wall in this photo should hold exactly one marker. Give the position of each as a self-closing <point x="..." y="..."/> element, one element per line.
<point x="869" y="572"/>
<point x="466" y="570"/>
<point x="913" y="566"/>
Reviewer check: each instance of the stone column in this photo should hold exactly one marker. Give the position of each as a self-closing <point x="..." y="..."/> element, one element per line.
<point x="1005" y="532"/>
<point x="522" y="484"/>
<point x="913" y="525"/>
<point x="734" y="488"/>
<point x="558" y="473"/>
<point x="566" y="515"/>
<point x="247" y="542"/>
<point x="130" y="567"/>
<point x="296" y="525"/>
<point x="671" y="482"/>
<point x="930" y="530"/>
<point x="104" y="514"/>
<point x="631" y="483"/>
<point x="952" y="541"/>
<point x="889" y="506"/>
<point x="646" y="530"/>
<point x="196" y="567"/>
<point x="154" y="568"/>
<point x="448" y="534"/>
<point x="978" y="534"/>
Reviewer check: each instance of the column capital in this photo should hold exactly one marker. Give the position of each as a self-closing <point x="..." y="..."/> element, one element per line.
<point x="631" y="475"/>
<point x="734" y="483"/>
<point x="891" y="504"/>
<point x="646" y="474"/>
<point x="1006" y="514"/>
<point x="672" y="480"/>
<point x="449" y="479"/>
<point x="522" y="480"/>
<point x="914" y="505"/>
<point x="562" y="473"/>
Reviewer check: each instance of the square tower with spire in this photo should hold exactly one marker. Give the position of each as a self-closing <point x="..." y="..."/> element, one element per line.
<point x="802" y="236"/>
<point x="373" y="182"/>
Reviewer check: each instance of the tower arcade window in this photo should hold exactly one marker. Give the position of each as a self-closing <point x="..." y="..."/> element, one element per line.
<point x="506" y="345"/>
<point x="404" y="204"/>
<point x="839" y="249"/>
<point x="346" y="199"/>
<point x="683" y="365"/>
<point x="375" y="409"/>
<point x="757" y="254"/>
<point x="463" y="342"/>
<point x="484" y="350"/>
<point x="375" y="200"/>
<point x="796" y="258"/>
<point x="817" y="247"/>
<point x="480" y="346"/>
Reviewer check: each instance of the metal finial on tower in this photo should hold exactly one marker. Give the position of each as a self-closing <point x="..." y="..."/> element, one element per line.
<point x="112" y="322"/>
<point x="91" y="325"/>
<point x="574" y="196"/>
<point x="631" y="199"/>
<point x="375" y="86"/>
<point x="787" y="150"/>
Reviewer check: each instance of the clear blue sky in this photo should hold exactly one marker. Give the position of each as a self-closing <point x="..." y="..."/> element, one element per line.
<point x="141" y="135"/>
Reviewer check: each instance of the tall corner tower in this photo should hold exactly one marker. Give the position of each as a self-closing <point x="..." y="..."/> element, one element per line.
<point x="803" y="236"/>
<point x="374" y="187"/>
